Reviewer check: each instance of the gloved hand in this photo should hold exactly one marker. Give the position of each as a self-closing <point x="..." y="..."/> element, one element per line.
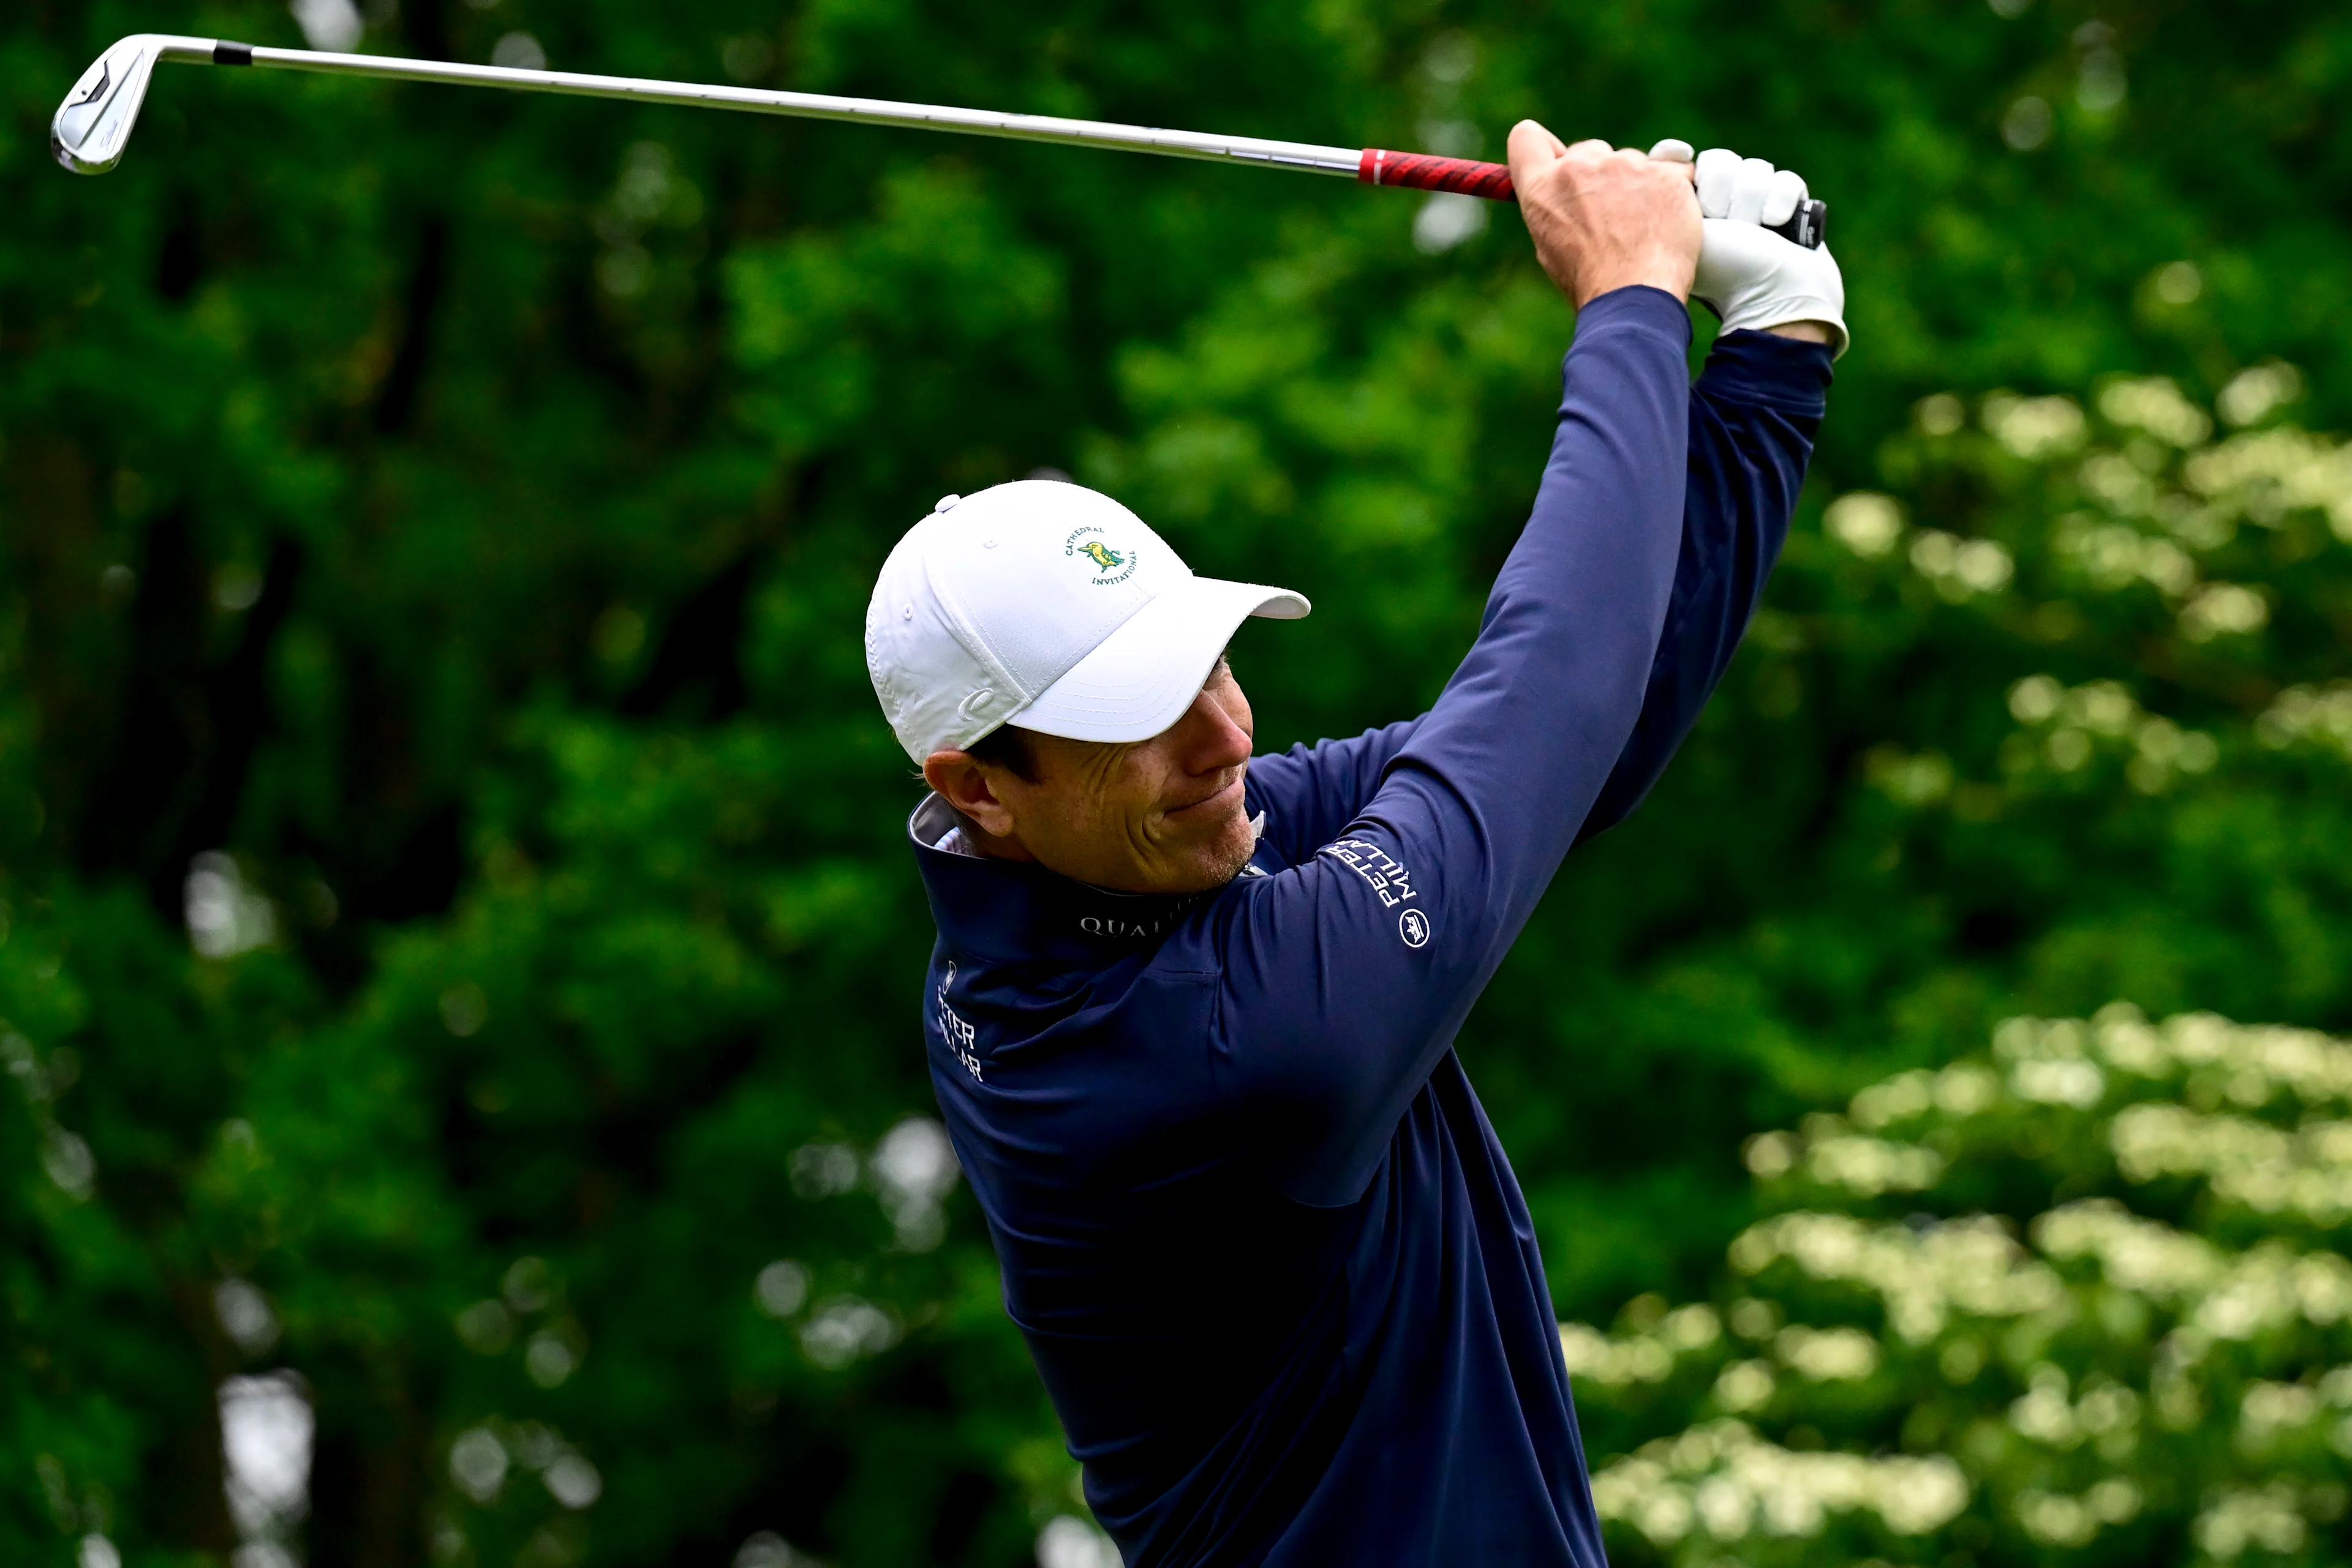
<point x="1751" y="276"/>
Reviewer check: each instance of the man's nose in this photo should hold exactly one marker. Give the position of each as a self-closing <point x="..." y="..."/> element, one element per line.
<point x="1212" y="740"/>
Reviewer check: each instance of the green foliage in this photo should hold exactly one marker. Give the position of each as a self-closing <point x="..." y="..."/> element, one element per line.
<point x="457" y="941"/>
<point x="2164" y="1374"/>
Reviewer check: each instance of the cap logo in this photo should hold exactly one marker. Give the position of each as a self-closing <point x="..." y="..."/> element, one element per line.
<point x="1110" y="566"/>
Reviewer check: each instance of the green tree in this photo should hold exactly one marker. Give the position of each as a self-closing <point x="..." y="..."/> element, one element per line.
<point x="2151" y="1368"/>
<point x="458" y="944"/>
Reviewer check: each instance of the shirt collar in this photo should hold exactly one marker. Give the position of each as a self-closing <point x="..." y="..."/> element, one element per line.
<point x="1015" y="911"/>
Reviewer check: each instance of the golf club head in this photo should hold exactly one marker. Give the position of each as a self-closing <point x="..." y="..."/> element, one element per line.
<point x="94" y="124"/>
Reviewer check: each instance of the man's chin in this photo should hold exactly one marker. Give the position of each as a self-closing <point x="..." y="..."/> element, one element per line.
<point x="1219" y="858"/>
<point x="1200" y="860"/>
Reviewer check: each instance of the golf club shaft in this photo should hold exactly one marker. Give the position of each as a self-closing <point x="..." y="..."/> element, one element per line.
<point x="1371" y="165"/>
<point x="1342" y="160"/>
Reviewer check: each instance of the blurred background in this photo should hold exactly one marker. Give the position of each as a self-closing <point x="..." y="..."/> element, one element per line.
<point x="459" y="959"/>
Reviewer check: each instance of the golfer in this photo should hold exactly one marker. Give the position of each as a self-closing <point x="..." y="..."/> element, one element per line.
<point x="1191" y="1016"/>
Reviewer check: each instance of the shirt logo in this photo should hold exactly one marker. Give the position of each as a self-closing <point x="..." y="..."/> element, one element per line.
<point x="1111" y="925"/>
<point x="1109" y="564"/>
<point x="960" y="1036"/>
<point x="1142" y="929"/>
<point x="1413" y="926"/>
<point x="1381" y="872"/>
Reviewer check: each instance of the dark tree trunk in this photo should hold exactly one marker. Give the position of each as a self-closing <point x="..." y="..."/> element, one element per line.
<point x="367" y="1476"/>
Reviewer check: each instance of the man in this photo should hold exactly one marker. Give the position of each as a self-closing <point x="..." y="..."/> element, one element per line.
<point x="1192" y="1013"/>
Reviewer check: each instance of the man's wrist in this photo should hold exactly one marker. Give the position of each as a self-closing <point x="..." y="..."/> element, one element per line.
<point x="1804" y="331"/>
<point x="1665" y="271"/>
<point x="1652" y="306"/>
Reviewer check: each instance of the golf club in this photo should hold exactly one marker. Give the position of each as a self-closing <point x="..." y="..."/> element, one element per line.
<point x="93" y="125"/>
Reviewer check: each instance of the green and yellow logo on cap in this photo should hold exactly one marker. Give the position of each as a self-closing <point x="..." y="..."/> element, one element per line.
<point x="1110" y="566"/>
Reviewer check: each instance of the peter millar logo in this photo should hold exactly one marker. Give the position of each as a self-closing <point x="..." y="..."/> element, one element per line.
<point x="1111" y="565"/>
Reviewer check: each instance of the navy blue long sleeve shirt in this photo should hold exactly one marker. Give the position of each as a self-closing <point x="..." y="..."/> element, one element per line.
<point x="1266" y="1251"/>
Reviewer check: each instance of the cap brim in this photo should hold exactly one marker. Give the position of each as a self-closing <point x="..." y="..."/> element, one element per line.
<point x="1143" y="677"/>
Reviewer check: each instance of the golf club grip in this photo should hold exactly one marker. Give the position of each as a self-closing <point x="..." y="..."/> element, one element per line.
<point x="1808" y="226"/>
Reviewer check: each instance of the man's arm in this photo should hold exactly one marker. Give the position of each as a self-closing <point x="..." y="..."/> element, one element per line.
<point x="1752" y="418"/>
<point x="1342" y="982"/>
<point x="1753" y="415"/>
<point x="1344" y="979"/>
<point x="1591" y="243"/>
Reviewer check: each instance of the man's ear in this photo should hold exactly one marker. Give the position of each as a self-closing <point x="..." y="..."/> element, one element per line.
<point x="963" y="783"/>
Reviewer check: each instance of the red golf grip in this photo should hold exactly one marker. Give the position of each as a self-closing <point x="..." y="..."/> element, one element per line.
<point x="1420" y="171"/>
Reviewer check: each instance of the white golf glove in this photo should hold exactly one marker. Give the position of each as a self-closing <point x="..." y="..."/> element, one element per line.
<point x="1751" y="276"/>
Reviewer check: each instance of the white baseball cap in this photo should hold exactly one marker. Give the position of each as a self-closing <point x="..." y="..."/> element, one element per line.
<point x="1049" y="603"/>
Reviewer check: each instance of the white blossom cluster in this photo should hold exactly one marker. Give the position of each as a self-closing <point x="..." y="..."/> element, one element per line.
<point x="1923" y="1275"/>
<point x="2228" y="1296"/>
<point x="2307" y="1170"/>
<point x="2115" y="1055"/>
<point x="2062" y="728"/>
<point x="2320" y="713"/>
<point x="2147" y="502"/>
<point x="2145" y="498"/>
<point x="1839" y="1158"/>
<point x="2254" y="1062"/>
<point x="1957" y="568"/>
<point x="2156" y="404"/>
<point x="2261" y="476"/>
<point x="2169" y="1351"/>
<point x="2034" y="428"/>
<point x="2255" y="477"/>
<point x="2154" y="518"/>
<point x="1721" y="1482"/>
<point x="1644" y="1356"/>
<point x="2114" y="555"/>
<point x="2271" y="1413"/>
<point x="2055" y="1518"/>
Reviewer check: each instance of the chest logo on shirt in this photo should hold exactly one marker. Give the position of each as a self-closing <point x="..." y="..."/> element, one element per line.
<point x="960" y="1037"/>
<point x="1379" y="869"/>
<point x="1141" y="924"/>
<point x="1133" y="931"/>
<point x="1413" y="926"/>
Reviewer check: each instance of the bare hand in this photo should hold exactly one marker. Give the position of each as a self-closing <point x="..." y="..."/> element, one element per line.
<point x="1605" y="219"/>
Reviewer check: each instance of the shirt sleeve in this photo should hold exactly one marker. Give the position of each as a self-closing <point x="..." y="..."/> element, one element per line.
<point x="1309" y="793"/>
<point x="1344" y="979"/>
<point x="1753" y="415"/>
